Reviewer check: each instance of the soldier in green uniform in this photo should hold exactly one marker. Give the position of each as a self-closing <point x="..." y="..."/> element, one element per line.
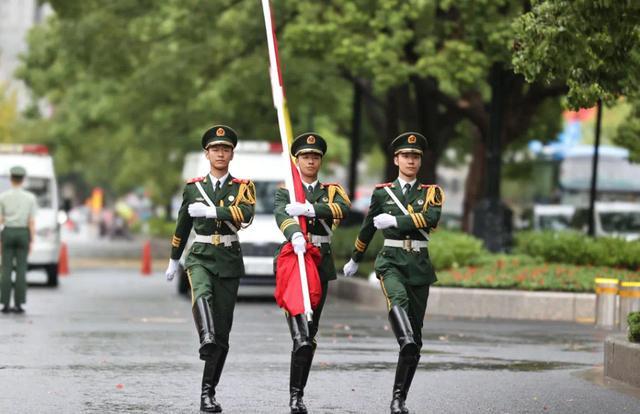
<point x="326" y="204"/>
<point x="406" y="211"/>
<point x="216" y="206"/>
<point x="17" y="220"/>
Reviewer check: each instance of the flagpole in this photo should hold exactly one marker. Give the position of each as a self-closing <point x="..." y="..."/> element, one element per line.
<point x="284" y="126"/>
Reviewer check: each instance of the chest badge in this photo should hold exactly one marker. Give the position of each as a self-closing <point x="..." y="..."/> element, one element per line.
<point x="421" y="202"/>
<point x="390" y="202"/>
<point x="231" y="198"/>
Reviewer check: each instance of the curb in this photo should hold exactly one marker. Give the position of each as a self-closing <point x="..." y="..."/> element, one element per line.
<point x="483" y="303"/>
<point x="622" y="360"/>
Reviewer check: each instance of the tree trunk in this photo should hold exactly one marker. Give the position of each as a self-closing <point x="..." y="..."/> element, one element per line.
<point x="474" y="188"/>
<point x="391" y="131"/>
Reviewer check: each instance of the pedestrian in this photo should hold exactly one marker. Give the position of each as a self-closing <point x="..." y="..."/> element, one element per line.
<point x="406" y="211"/>
<point x="216" y="206"/>
<point x="326" y="204"/>
<point x="17" y="223"/>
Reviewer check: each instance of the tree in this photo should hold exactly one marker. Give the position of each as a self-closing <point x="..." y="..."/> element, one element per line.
<point x="134" y="83"/>
<point x="592" y="46"/>
<point x="8" y="114"/>
<point x="432" y="66"/>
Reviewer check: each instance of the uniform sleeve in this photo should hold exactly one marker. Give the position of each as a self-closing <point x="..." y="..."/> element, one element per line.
<point x="183" y="227"/>
<point x="244" y="210"/>
<point x="338" y="209"/>
<point x="428" y="218"/>
<point x="367" y="231"/>
<point x="34" y="207"/>
<point x="287" y="224"/>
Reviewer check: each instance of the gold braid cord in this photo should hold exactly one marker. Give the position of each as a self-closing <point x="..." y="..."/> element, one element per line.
<point x="434" y="197"/>
<point x="331" y="194"/>
<point x="246" y="194"/>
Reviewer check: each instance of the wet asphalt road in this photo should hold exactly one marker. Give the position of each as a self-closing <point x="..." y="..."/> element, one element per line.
<point x="113" y="341"/>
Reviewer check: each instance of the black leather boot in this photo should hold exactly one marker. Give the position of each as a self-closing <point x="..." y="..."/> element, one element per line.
<point x="210" y="379"/>
<point x="408" y="358"/>
<point x="204" y="324"/>
<point x="6" y="309"/>
<point x="301" y="357"/>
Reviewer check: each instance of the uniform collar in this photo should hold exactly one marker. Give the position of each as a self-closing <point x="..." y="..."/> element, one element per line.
<point x="306" y="185"/>
<point x="403" y="182"/>
<point x="222" y="179"/>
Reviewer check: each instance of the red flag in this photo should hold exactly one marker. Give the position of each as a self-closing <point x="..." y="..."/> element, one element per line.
<point x="288" y="287"/>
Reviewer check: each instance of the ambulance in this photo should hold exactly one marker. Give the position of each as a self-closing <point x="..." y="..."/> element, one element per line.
<point x="41" y="181"/>
<point x="260" y="162"/>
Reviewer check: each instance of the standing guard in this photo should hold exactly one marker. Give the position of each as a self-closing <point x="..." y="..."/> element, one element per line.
<point x="17" y="230"/>
<point x="216" y="206"/>
<point x="326" y="204"/>
<point x="406" y="211"/>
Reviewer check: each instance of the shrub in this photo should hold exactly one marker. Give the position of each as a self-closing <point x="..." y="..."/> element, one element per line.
<point x="577" y="248"/>
<point x="634" y="326"/>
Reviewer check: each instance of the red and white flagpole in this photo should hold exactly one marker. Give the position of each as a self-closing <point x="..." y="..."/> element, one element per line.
<point x="286" y="136"/>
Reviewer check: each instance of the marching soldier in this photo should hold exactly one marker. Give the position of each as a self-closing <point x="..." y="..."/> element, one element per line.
<point x="326" y="204"/>
<point x="17" y="222"/>
<point x="406" y="211"/>
<point x="216" y="206"/>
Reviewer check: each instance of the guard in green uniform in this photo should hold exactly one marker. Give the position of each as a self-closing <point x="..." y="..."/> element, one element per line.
<point x="17" y="220"/>
<point x="216" y="206"/>
<point x="326" y="204"/>
<point x="405" y="211"/>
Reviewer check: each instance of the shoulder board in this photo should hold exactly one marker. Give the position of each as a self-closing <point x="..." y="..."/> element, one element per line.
<point x="429" y="185"/>
<point x="240" y="181"/>
<point x="331" y="184"/>
<point x="384" y="185"/>
<point x="195" y="180"/>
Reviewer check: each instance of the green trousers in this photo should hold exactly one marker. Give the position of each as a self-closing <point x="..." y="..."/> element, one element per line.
<point x="318" y="310"/>
<point x="15" y="249"/>
<point x="413" y="299"/>
<point x="221" y="293"/>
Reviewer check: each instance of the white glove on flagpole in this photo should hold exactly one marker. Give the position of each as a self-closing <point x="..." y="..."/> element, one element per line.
<point x="350" y="268"/>
<point x="299" y="243"/>
<point x="384" y="221"/>
<point x="172" y="269"/>
<point x="300" y="209"/>
<point x="202" y="210"/>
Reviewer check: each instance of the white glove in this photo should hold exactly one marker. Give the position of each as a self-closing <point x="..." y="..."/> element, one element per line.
<point x="299" y="243"/>
<point x="350" y="268"/>
<point x="202" y="210"/>
<point x="172" y="269"/>
<point x="384" y="221"/>
<point x="300" y="209"/>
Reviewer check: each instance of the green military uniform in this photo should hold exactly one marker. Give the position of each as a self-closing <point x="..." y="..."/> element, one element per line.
<point x="214" y="263"/>
<point x="403" y="265"/>
<point x="17" y="208"/>
<point x="330" y="204"/>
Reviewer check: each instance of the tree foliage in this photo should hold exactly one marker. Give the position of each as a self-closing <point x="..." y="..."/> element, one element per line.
<point x="135" y="83"/>
<point x="593" y="46"/>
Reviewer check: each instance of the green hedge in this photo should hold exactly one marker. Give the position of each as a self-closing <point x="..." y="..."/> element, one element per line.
<point x="447" y="248"/>
<point x="576" y="248"/>
<point x="527" y="273"/>
<point x="634" y="326"/>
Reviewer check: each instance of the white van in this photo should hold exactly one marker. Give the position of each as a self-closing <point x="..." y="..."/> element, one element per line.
<point x="260" y="162"/>
<point x="41" y="181"/>
<point x="611" y="219"/>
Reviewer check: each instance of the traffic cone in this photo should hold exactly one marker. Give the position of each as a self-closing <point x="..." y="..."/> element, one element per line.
<point x="63" y="261"/>
<point x="146" y="259"/>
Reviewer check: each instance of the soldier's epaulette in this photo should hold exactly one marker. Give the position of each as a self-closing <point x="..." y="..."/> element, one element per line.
<point x="241" y="181"/>
<point x="330" y="184"/>
<point x="429" y="185"/>
<point x="195" y="180"/>
<point x="383" y="185"/>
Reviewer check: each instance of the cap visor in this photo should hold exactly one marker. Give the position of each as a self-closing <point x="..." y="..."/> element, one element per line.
<point x="218" y="142"/>
<point x="408" y="151"/>
<point x="308" y="151"/>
